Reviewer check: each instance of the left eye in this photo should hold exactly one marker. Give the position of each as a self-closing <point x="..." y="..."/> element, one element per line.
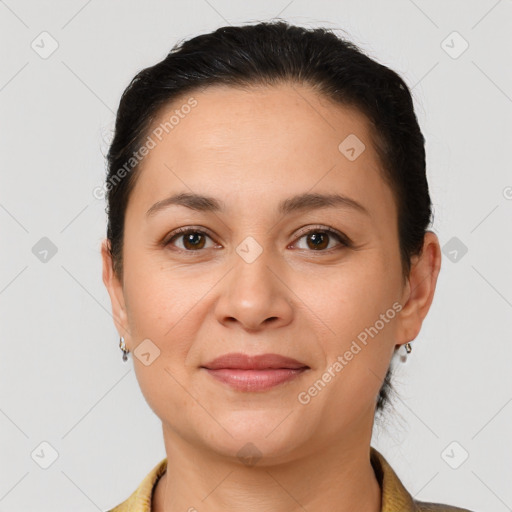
<point x="318" y="239"/>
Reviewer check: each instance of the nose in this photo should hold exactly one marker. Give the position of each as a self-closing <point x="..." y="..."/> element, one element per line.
<point x="254" y="296"/>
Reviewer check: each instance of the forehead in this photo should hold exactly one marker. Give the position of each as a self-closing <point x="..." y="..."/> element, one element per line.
<point x="266" y="141"/>
<point x="224" y="114"/>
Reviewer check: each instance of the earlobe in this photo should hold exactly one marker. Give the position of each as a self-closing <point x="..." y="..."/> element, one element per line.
<point x="114" y="289"/>
<point x="419" y="292"/>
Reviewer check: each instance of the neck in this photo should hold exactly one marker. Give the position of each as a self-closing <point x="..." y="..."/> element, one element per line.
<point x="339" y="478"/>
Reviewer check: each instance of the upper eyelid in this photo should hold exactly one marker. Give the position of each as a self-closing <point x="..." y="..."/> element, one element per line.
<point x="318" y="227"/>
<point x="185" y="230"/>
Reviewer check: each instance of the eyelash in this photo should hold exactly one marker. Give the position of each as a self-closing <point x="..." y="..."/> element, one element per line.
<point x="342" y="239"/>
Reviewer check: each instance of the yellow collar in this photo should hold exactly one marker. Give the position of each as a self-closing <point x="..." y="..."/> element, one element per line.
<point x="394" y="497"/>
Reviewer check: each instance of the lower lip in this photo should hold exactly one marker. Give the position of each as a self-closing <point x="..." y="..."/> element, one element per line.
<point x="254" y="380"/>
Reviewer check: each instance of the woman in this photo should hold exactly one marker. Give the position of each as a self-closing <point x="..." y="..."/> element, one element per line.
<point x="267" y="254"/>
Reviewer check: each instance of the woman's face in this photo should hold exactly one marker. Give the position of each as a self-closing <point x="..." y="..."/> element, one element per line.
<point x="250" y="279"/>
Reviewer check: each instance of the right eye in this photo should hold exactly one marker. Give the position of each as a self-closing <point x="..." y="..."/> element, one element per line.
<point x="193" y="240"/>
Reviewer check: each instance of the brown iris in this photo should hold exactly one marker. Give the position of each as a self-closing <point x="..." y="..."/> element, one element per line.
<point x="196" y="240"/>
<point x="320" y="240"/>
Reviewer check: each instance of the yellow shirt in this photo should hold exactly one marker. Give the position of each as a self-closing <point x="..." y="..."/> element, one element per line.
<point x="394" y="496"/>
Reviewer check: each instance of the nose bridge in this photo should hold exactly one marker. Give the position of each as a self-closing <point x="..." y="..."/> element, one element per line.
<point x="253" y="294"/>
<point x="251" y="268"/>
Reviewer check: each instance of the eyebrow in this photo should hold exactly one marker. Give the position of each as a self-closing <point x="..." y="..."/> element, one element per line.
<point x="298" y="203"/>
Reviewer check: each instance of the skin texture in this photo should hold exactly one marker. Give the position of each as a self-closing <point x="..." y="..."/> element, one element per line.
<point x="251" y="149"/>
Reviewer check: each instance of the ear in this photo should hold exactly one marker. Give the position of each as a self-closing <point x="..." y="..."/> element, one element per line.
<point x="115" y="290"/>
<point x="419" y="292"/>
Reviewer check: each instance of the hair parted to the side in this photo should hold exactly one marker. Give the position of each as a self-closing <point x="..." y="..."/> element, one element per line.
<point x="270" y="53"/>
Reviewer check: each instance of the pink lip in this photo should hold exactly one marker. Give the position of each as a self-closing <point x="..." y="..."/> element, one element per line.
<point x="254" y="373"/>
<point x="241" y="361"/>
<point x="254" y="380"/>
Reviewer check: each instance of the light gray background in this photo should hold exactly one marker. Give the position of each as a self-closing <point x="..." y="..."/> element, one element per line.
<point x="62" y="378"/>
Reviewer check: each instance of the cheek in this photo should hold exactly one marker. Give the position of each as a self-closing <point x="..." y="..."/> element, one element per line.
<point x="161" y="310"/>
<point x="358" y="306"/>
<point x="151" y="294"/>
<point x="163" y="306"/>
<point x="352" y="297"/>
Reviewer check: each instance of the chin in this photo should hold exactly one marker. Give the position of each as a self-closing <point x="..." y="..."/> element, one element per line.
<point x="265" y="435"/>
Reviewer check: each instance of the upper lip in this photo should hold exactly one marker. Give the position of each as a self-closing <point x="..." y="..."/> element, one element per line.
<point x="253" y="362"/>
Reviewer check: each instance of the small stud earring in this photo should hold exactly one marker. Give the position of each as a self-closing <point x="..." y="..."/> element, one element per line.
<point x="122" y="346"/>
<point x="408" y="350"/>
